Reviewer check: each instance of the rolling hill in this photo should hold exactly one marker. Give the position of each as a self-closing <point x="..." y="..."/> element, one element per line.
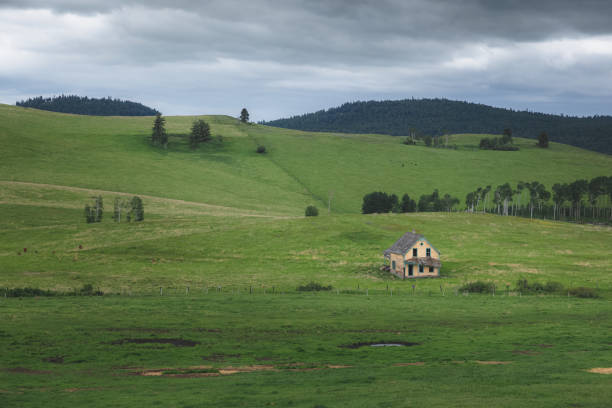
<point x="224" y="200"/>
<point x="442" y="116"/>
<point x="200" y="305"/>
<point x="300" y="168"/>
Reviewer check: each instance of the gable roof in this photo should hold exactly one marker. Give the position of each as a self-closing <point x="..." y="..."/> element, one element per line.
<point x="403" y="244"/>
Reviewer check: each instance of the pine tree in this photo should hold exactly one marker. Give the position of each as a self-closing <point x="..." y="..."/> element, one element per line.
<point x="200" y="132"/>
<point x="244" y="115"/>
<point x="159" y="137"/>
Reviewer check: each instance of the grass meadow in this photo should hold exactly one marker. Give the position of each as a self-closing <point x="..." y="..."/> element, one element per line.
<point x="228" y="224"/>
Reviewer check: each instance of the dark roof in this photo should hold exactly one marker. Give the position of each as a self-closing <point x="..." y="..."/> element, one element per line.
<point x="403" y="244"/>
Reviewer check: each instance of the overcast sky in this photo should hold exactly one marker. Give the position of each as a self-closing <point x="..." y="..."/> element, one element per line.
<point x="286" y="57"/>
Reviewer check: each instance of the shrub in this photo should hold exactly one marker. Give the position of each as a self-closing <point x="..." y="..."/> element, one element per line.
<point x="311" y="211"/>
<point x="313" y="287"/>
<point x="261" y="149"/>
<point x="583" y="292"/>
<point x="552" y="287"/>
<point x="478" y="287"/>
<point x="537" y="287"/>
<point x="88" y="290"/>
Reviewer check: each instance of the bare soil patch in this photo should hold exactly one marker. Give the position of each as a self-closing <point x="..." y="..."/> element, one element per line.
<point x="381" y="344"/>
<point x="209" y="371"/>
<point x="174" y="342"/>
<point x="601" y="370"/>
<point x="493" y="362"/>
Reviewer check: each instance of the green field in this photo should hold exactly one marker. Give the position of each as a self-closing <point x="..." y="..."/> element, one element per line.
<point x="300" y="168"/>
<point x="472" y="351"/>
<point x="228" y="224"/>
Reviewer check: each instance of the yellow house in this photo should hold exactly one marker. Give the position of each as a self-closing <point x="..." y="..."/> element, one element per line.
<point x="412" y="256"/>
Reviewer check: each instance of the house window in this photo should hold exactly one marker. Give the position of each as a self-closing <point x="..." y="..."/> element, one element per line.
<point x="428" y="251"/>
<point x="392" y="264"/>
<point x="431" y="269"/>
<point x="414" y="252"/>
<point x="421" y="268"/>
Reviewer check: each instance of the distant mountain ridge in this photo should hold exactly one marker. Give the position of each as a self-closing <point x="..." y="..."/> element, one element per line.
<point x="83" y="105"/>
<point x="439" y="116"/>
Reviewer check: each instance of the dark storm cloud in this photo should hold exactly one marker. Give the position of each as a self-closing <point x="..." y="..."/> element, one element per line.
<point x="504" y="52"/>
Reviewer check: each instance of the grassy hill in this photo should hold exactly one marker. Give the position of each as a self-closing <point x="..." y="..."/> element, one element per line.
<point x="224" y="201"/>
<point x="300" y="168"/>
<point x="228" y="224"/>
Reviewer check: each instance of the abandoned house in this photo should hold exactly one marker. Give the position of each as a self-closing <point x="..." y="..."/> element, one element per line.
<point x="412" y="256"/>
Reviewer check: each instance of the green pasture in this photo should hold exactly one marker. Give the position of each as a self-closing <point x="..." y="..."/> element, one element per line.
<point x="299" y="168"/>
<point x="225" y="238"/>
<point x="290" y="351"/>
<point x="182" y="244"/>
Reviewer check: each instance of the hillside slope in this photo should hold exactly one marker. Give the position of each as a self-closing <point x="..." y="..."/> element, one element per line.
<point x="439" y="116"/>
<point x="300" y="168"/>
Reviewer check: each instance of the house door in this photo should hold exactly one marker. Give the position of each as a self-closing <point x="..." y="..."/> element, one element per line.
<point x="410" y="270"/>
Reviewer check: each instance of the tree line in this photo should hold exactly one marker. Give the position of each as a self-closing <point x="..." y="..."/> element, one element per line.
<point x="436" y="117"/>
<point x="580" y="200"/>
<point x="83" y="105"/>
<point x="381" y="202"/>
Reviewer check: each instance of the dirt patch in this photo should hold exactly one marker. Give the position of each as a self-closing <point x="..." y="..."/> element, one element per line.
<point x="493" y="362"/>
<point x="418" y="363"/>
<point x="246" y="369"/>
<point x="526" y="352"/>
<point x="23" y="370"/>
<point x="174" y="342"/>
<point x="601" y="370"/>
<point x="54" y="360"/>
<point x="382" y="344"/>
<point x="209" y="371"/>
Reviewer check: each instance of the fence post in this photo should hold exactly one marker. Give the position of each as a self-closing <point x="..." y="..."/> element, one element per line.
<point x="161" y="291"/>
<point x="187" y="291"/>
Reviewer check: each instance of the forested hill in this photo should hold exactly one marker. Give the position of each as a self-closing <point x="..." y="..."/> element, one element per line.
<point x="439" y="116"/>
<point x="82" y="105"/>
